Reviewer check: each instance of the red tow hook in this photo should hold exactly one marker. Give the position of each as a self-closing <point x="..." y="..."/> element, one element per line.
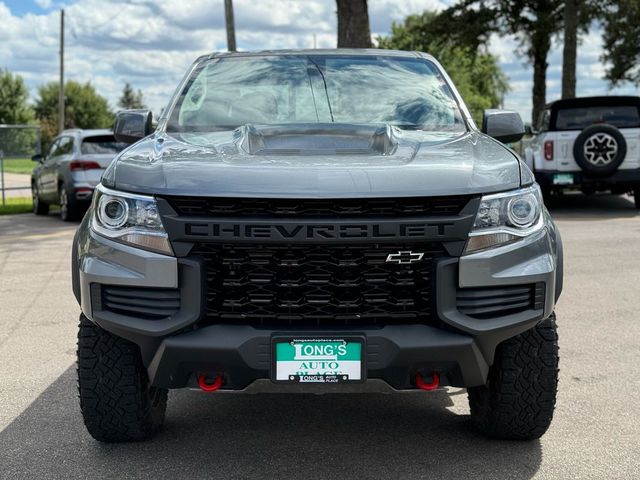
<point x="422" y="385"/>
<point x="209" y="387"/>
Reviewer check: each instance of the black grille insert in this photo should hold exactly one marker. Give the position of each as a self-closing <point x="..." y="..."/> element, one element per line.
<point x="491" y="302"/>
<point x="317" y="285"/>
<point x="148" y="303"/>
<point x="316" y="208"/>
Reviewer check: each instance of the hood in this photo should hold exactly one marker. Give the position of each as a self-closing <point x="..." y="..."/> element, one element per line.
<point x="315" y="161"/>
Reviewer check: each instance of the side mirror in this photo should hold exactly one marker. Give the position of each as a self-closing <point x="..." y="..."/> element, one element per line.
<point x="503" y="125"/>
<point x="132" y="125"/>
<point x="37" y="158"/>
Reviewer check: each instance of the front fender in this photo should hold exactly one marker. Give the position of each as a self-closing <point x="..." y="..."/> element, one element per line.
<point x="559" y="263"/>
<point x="80" y="237"/>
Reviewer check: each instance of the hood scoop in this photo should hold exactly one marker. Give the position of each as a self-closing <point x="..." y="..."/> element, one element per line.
<point x="317" y="139"/>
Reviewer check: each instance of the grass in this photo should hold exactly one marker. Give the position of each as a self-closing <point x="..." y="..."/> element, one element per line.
<point x="19" y="165"/>
<point x="16" y="205"/>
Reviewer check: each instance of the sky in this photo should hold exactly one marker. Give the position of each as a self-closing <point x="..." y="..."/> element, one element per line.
<point x="150" y="43"/>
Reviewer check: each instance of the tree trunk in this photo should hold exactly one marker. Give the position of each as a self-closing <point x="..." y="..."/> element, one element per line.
<point x="353" y="24"/>
<point x="539" y="85"/>
<point x="571" y="11"/>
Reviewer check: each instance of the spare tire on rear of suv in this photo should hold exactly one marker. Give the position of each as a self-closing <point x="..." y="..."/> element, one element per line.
<point x="600" y="149"/>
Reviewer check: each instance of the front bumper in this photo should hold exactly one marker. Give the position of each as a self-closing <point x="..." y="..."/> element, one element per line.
<point x="393" y="354"/>
<point x="175" y="351"/>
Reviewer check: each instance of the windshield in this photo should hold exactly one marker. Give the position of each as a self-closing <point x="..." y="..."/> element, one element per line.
<point x="101" y="144"/>
<point x="227" y="92"/>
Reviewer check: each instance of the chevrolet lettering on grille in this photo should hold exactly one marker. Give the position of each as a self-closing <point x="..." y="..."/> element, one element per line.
<point x="300" y="232"/>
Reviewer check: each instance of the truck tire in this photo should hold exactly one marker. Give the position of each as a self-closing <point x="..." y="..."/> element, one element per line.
<point x="117" y="402"/>
<point x="518" y="401"/>
<point x="69" y="208"/>
<point x="600" y="149"/>
<point x="39" y="207"/>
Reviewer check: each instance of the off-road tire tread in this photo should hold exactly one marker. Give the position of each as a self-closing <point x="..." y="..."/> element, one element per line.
<point x="519" y="399"/>
<point x="117" y="403"/>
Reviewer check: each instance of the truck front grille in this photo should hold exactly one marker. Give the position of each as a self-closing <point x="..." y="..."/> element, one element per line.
<point x="317" y="285"/>
<point x="316" y="208"/>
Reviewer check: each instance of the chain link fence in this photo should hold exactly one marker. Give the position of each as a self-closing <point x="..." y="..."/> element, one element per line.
<point x="18" y="143"/>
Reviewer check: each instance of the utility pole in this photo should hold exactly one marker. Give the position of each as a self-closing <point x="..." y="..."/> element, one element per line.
<point x="231" y="28"/>
<point x="61" y="89"/>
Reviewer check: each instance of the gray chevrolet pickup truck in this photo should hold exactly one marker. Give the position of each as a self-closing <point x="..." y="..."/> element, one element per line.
<point x="317" y="221"/>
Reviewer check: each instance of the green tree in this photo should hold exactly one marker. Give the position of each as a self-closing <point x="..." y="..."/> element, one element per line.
<point x="130" y="98"/>
<point x="621" y="20"/>
<point x="84" y="108"/>
<point x="534" y="23"/>
<point x="475" y="73"/>
<point x="13" y="99"/>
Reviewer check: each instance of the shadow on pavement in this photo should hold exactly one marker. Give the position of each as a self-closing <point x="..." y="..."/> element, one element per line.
<point x="266" y="436"/>
<point x="577" y="206"/>
<point x="26" y="228"/>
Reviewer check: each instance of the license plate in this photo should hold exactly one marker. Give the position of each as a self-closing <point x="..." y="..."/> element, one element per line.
<point x="563" y="179"/>
<point x="318" y="360"/>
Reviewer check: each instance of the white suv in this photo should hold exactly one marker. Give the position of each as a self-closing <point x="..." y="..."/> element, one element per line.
<point x="590" y="143"/>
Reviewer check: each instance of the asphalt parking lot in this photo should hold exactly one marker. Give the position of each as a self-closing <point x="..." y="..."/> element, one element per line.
<point x="595" y="433"/>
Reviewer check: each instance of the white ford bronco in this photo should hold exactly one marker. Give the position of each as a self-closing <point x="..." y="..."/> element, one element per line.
<point x="590" y="143"/>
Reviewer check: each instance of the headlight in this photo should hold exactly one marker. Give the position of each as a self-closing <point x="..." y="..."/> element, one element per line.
<point x="129" y="218"/>
<point x="505" y="217"/>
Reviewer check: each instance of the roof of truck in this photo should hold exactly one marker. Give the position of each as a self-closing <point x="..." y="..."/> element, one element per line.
<point x="595" y="101"/>
<point x="323" y="51"/>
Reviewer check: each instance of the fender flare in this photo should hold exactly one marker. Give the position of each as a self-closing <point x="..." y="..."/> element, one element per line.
<point x="559" y="264"/>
